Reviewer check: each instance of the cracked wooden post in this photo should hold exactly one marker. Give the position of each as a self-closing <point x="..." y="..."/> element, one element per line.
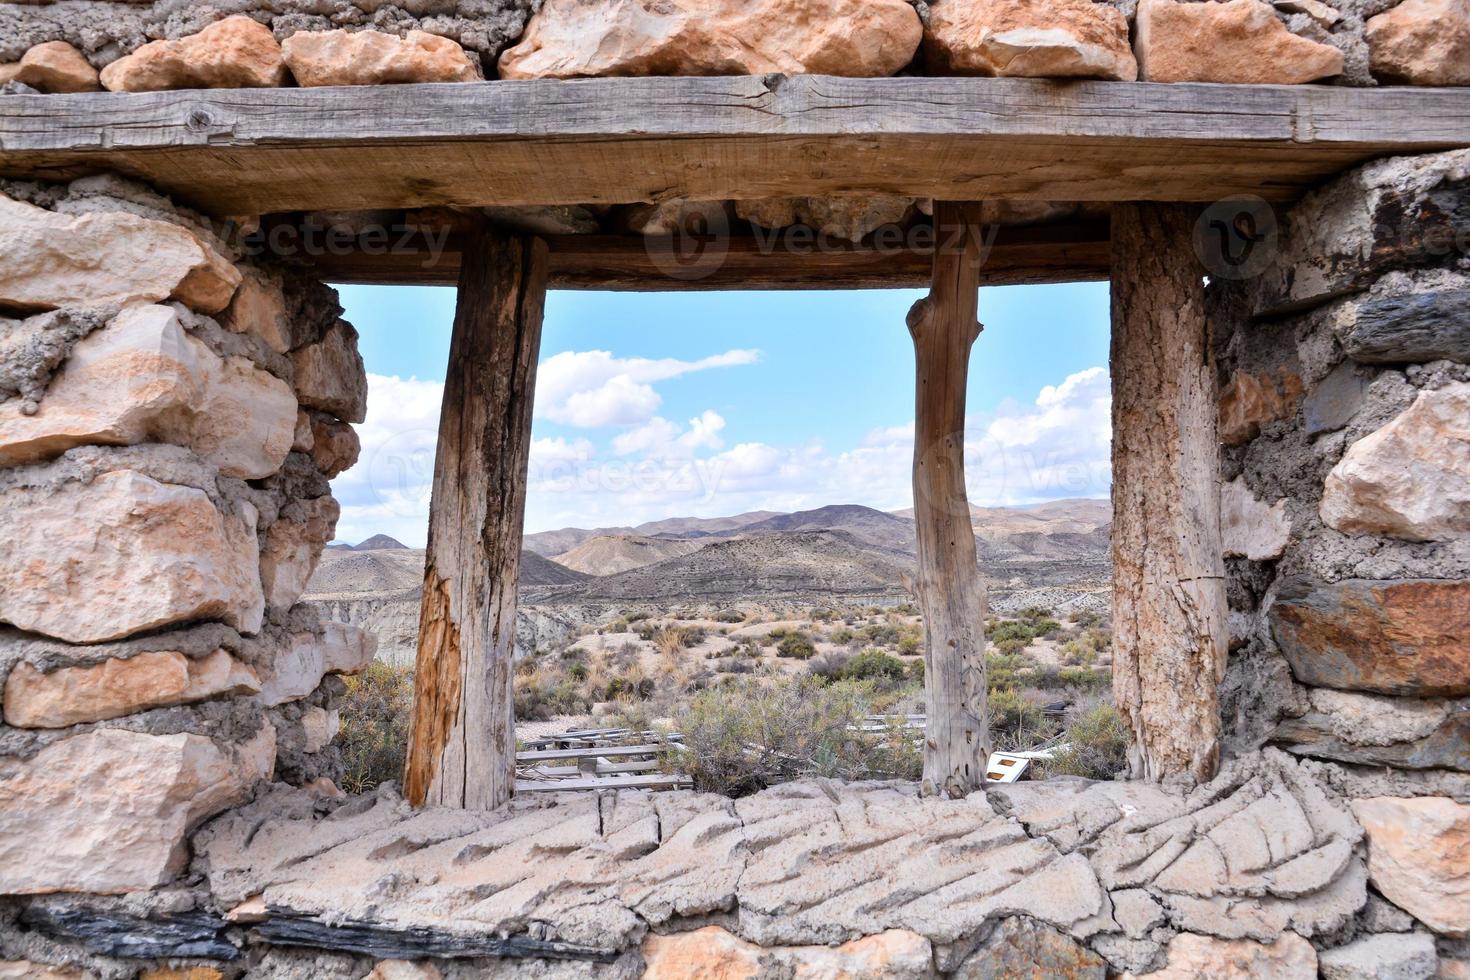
<point x="461" y="750"/>
<point x="951" y="592"/>
<point x="1170" y="632"/>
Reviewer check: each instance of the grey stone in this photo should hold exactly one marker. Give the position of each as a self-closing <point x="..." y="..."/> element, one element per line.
<point x="112" y="932"/>
<point x="1423" y="327"/>
<point x="1395" y="956"/>
<point x="1022" y="948"/>
<point x="1136" y="911"/>
<point x="1381" y="915"/>
<point x="1333" y="402"/>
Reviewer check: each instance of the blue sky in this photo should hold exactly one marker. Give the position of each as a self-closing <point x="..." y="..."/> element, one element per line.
<point x="663" y="405"/>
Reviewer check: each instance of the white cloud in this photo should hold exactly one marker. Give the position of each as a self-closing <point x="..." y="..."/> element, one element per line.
<point x="1056" y="446"/>
<point x="592" y="388"/>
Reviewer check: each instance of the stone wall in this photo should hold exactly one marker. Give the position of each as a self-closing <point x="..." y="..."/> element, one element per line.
<point x="164" y="44"/>
<point x="162" y="504"/>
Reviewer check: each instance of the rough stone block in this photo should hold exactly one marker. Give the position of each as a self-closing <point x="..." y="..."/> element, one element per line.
<point x="1335" y="400"/>
<point x="1250" y="401"/>
<point x="292" y="547"/>
<point x="1191" y="957"/>
<point x="1405" y="956"/>
<point x="1020" y="947"/>
<point x="117" y="687"/>
<point x="848" y="218"/>
<point x="1407" y="329"/>
<point x="330" y="375"/>
<point x="1377" y="730"/>
<point x="374" y="58"/>
<point x="1416" y="857"/>
<point x="714" y="952"/>
<point x="107" y="811"/>
<point x="576" y="38"/>
<point x="56" y="67"/>
<point x="299" y="666"/>
<point x="334" y="445"/>
<point x="142" y="378"/>
<point x="236" y="52"/>
<point x="1411" y="478"/>
<point x="1240" y="42"/>
<point x="1404" y="637"/>
<point x="105" y="258"/>
<point x="1421" y="42"/>
<point x="122" y="554"/>
<point x="1029" y="39"/>
<point x="1249" y="527"/>
<point x="259" y="308"/>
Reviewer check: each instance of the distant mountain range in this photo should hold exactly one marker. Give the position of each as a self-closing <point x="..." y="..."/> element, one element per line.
<point x="839" y="550"/>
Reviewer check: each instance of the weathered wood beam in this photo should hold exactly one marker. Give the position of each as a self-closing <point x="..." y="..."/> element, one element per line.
<point x="944" y="325"/>
<point x="1062" y="252"/>
<point x="257" y="151"/>
<point x="461" y="750"/>
<point x="1170" y="634"/>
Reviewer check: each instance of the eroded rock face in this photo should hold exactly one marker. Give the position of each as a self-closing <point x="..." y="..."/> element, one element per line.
<point x="117" y="687"/>
<point x="1403" y="637"/>
<point x="330" y="375"/>
<point x="56" y="67"/>
<point x="1421" y="42"/>
<point x="374" y="58"/>
<point x="1239" y="42"/>
<point x="1192" y="957"/>
<point x="1411" y="478"/>
<point x="50" y="260"/>
<point x="299" y="667"/>
<point x="142" y="378"/>
<point x="1417" y="852"/>
<point x="1251" y="528"/>
<point x="106" y="812"/>
<point x="1028" y="39"/>
<point x="334" y="445"/>
<point x="122" y="554"/>
<point x="577" y="38"/>
<point x="236" y="52"/>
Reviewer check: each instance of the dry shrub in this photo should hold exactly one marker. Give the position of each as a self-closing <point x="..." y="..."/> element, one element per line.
<point x="1097" y="745"/>
<point x="375" y="714"/>
<point x="747" y="734"/>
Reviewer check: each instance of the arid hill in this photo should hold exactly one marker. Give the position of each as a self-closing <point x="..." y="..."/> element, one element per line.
<point x="609" y="554"/>
<point x="792" y="563"/>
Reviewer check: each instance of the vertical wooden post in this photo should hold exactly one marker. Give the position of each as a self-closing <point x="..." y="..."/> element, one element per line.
<point x="461" y="750"/>
<point x="951" y="592"/>
<point x="1170" y="632"/>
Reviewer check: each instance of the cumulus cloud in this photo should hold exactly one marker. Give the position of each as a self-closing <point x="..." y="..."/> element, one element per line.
<point x="592" y="388"/>
<point x="1056" y="446"/>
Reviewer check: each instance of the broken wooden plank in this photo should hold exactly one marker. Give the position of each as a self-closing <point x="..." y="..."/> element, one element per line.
<point x="618" y="140"/>
<point x="670" y="781"/>
<point x="550" y="755"/>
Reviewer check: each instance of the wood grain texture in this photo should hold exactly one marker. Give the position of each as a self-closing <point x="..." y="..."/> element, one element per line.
<point x="1062" y="252"/>
<point x="462" y="742"/>
<point x="621" y="140"/>
<point x="944" y="326"/>
<point x="1170" y="631"/>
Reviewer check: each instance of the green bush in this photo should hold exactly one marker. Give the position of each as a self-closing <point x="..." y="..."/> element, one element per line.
<point x="1085" y="678"/>
<point x="1016" y="723"/>
<point x="874" y="665"/>
<point x="797" y="646"/>
<point x="375" y="714"/>
<point x="1096" y="746"/>
<point x="729" y="616"/>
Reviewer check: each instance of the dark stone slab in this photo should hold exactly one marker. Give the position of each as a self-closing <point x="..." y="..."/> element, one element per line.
<point x="1335" y="400"/>
<point x="1447" y="747"/>
<point x="1409" y="637"/>
<point x="110" y="933"/>
<point x="390" y="943"/>
<point x="1407" y="329"/>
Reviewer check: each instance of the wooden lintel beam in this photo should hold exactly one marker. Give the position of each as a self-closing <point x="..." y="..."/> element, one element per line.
<point x="623" y="140"/>
<point x="1074" y="251"/>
